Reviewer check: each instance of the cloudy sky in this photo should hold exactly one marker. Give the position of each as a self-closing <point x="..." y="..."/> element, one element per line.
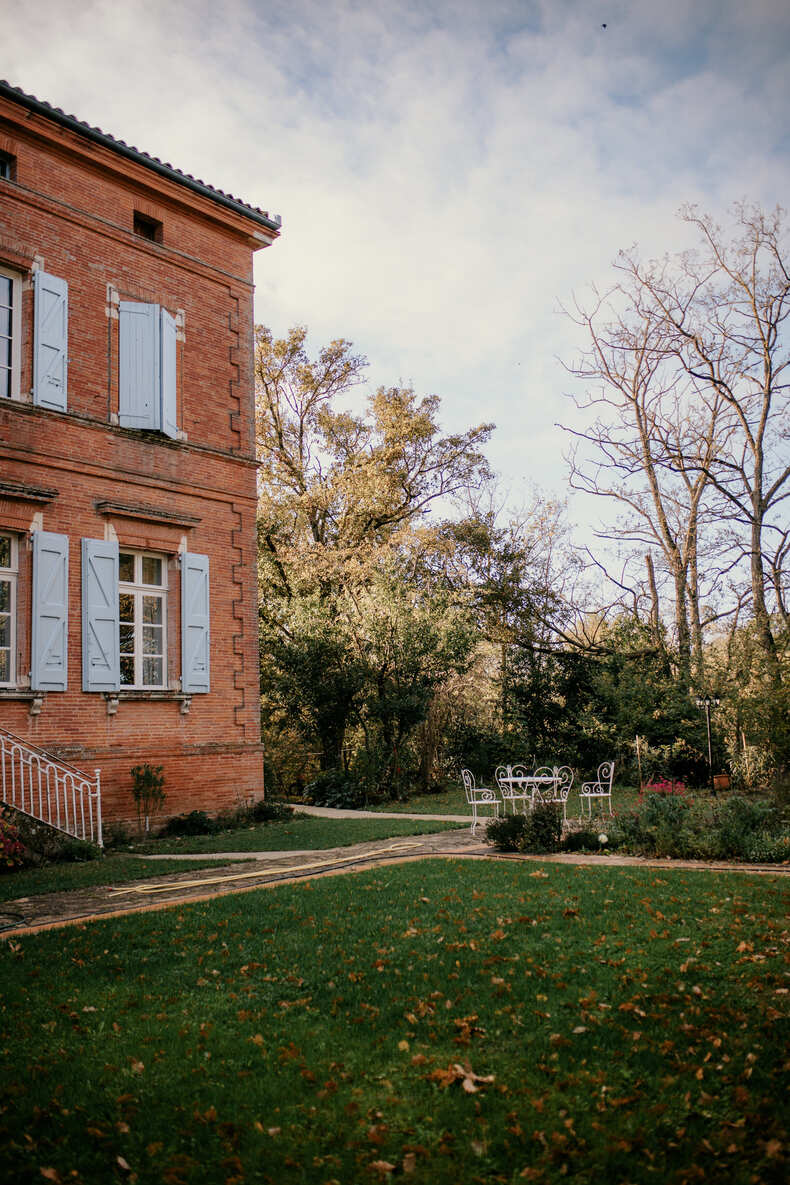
<point x="449" y="172"/>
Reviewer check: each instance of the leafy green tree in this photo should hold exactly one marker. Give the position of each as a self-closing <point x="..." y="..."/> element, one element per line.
<point x="350" y="639"/>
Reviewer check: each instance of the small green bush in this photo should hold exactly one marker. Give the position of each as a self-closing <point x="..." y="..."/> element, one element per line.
<point x="115" y="836"/>
<point x="584" y="840"/>
<point x="267" y="811"/>
<point x="78" y="851"/>
<point x="193" y="823"/>
<point x="537" y="832"/>
<point x="336" y="788"/>
<point x="544" y="833"/>
<point x="148" y="791"/>
<point x="506" y="833"/>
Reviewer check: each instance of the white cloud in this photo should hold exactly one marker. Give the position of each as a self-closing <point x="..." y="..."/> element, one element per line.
<point x="446" y="173"/>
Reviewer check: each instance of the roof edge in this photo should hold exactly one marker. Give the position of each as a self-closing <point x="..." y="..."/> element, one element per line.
<point x="272" y="223"/>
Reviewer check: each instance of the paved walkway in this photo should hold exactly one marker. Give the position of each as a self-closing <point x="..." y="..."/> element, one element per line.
<point x="239" y="872"/>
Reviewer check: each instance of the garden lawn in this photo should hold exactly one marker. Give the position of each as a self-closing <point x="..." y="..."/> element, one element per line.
<point x="448" y="1021"/>
<point x="108" y="870"/>
<point x="301" y="832"/>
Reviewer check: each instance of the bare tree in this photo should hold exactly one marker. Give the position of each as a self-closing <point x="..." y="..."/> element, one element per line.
<point x="688" y="356"/>
<point x="646" y="440"/>
<point x="727" y="307"/>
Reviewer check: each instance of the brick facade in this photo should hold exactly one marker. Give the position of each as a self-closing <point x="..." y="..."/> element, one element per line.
<point x="68" y="208"/>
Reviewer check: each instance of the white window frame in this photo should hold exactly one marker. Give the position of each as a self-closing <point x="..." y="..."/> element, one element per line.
<point x="10" y="577"/>
<point x="16" y="332"/>
<point x="138" y="590"/>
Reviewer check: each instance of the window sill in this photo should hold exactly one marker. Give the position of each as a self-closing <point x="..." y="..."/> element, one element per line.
<point x="25" y="695"/>
<point x="145" y="695"/>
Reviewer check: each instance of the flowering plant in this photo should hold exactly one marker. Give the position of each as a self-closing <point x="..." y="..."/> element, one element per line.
<point x="11" y="849"/>
<point x="664" y="787"/>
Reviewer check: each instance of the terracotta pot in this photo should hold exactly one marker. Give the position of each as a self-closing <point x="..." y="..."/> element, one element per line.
<point x="721" y="781"/>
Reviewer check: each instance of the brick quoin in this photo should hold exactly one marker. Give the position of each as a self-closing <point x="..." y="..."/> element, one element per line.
<point x="69" y="208"/>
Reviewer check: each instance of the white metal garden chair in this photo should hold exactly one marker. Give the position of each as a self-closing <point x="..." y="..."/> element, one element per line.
<point x="601" y="788"/>
<point x="558" y="788"/>
<point x="478" y="796"/>
<point x="513" y="785"/>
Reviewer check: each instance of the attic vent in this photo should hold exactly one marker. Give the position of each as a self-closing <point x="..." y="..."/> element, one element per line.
<point x="147" y="228"/>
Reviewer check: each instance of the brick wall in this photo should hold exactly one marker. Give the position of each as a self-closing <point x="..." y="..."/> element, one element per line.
<point x="70" y="210"/>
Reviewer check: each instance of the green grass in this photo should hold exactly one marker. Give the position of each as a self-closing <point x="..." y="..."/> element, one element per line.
<point x="618" y="1025"/>
<point x="111" y="870"/>
<point x="303" y="831"/>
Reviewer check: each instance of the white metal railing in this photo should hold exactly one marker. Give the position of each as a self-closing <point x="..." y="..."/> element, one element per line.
<point x="50" y="790"/>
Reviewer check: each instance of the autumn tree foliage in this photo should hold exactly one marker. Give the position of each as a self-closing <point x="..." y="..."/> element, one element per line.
<point x="354" y="643"/>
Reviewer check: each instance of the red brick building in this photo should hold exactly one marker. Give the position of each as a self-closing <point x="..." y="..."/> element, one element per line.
<point x="128" y="607"/>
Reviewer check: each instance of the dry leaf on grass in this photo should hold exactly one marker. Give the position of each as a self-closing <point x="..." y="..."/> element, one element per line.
<point x="470" y="1082"/>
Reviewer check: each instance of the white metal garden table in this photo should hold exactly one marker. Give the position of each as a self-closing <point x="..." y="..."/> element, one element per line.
<point x="529" y="788"/>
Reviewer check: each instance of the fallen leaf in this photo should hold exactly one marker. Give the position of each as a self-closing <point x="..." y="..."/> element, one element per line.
<point x="383" y="1166"/>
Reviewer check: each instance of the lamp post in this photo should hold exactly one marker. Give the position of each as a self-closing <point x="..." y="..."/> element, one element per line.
<point x="707" y="702"/>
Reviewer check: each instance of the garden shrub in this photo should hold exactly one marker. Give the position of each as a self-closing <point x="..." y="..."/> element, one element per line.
<point x="536" y="832"/>
<point x="584" y="839"/>
<point x="12" y="851"/>
<point x="506" y="833"/>
<point x="77" y="851"/>
<point x="193" y="823"/>
<point x="267" y="811"/>
<point x="148" y="791"/>
<point x="672" y="825"/>
<point x="545" y="831"/>
<point x="762" y="847"/>
<point x="336" y="788"/>
<point x="737" y="821"/>
<point x="115" y="835"/>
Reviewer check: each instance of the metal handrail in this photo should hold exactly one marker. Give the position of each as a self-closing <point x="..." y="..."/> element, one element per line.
<point x="50" y="790"/>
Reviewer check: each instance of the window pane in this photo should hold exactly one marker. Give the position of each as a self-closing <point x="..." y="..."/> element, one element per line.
<point x="126" y="568"/>
<point x="152" y="610"/>
<point x="5" y="630"/>
<point x="5" y="384"/>
<point x="5" y="290"/>
<point x="5" y="551"/>
<point x="152" y="639"/>
<point x="5" y="666"/>
<point x="152" y="672"/>
<point x="152" y="570"/>
<point x="5" y="596"/>
<point x="127" y="669"/>
<point x="5" y="321"/>
<point x="127" y="639"/>
<point x="126" y="606"/>
<point x="5" y="351"/>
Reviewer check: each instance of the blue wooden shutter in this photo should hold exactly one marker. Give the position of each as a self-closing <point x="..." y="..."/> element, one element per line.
<point x="50" y="622"/>
<point x="50" y="341"/>
<point x="168" y="374"/>
<point x="139" y="399"/>
<point x="195" y="641"/>
<point x="101" y="662"/>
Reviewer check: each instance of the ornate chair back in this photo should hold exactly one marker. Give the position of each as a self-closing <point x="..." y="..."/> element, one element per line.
<point x="564" y="783"/>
